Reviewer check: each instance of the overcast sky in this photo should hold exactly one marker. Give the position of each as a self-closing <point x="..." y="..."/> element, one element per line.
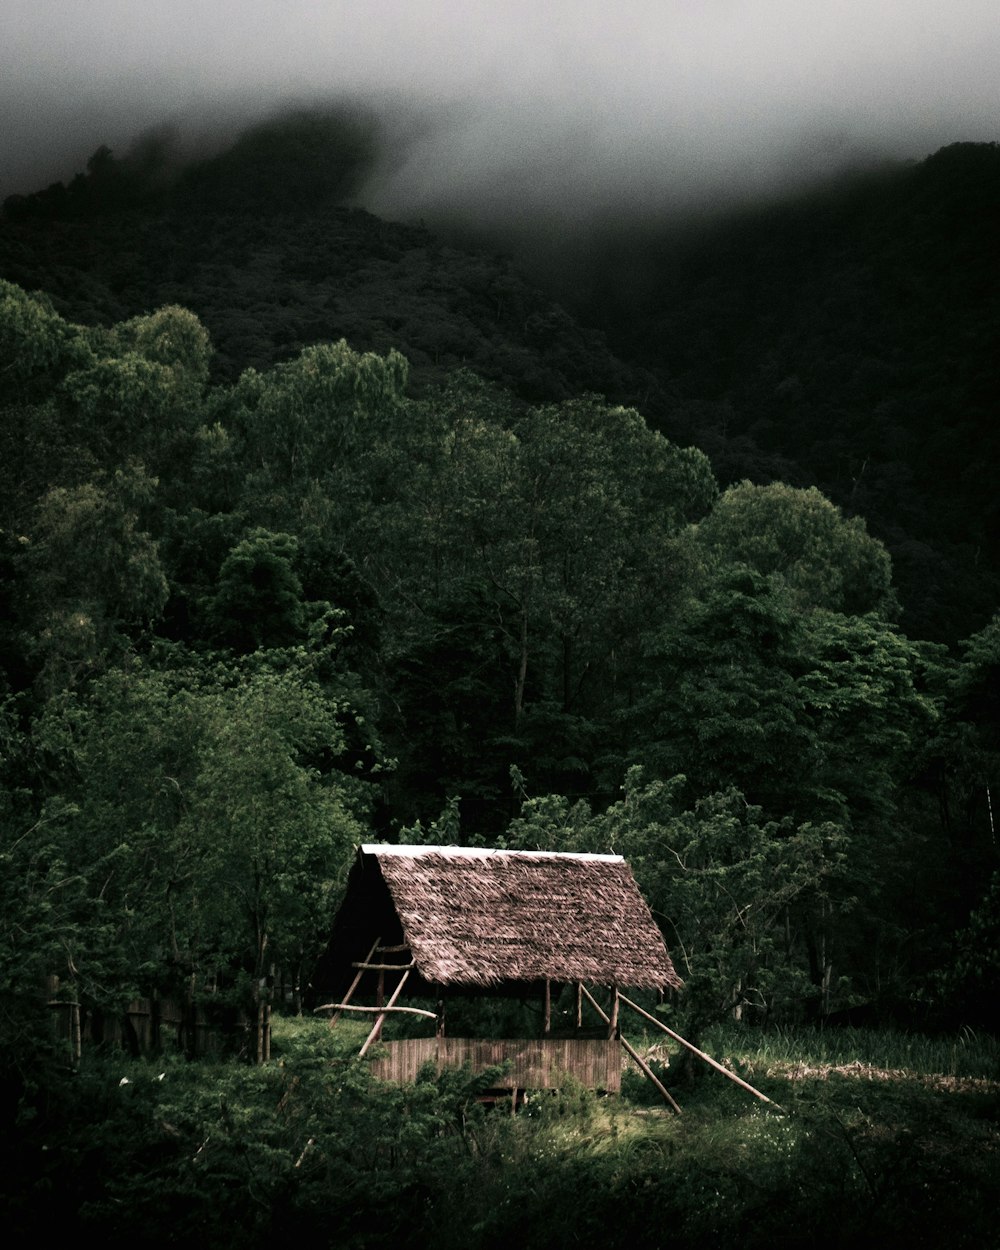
<point x="558" y="105"/>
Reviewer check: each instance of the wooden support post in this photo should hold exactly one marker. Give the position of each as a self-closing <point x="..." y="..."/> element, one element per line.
<point x="613" y="1020"/>
<point x="547" y="1027"/>
<point x="701" y="1055"/>
<point x="632" y="1053"/>
<point x="579" y="1005"/>
<point x="377" y="1027"/>
<point x="354" y="984"/>
<point x="439" y="1031"/>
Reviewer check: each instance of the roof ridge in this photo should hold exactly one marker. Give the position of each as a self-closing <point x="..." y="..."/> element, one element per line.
<point x="414" y="850"/>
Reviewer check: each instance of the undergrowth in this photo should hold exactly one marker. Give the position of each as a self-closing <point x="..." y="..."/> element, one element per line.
<point x="172" y="1153"/>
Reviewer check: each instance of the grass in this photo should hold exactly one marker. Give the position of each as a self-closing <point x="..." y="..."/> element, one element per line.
<point x="966" y="1054"/>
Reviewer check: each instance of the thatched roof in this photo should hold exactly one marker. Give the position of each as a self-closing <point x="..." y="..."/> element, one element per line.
<point x="483" y="918"/>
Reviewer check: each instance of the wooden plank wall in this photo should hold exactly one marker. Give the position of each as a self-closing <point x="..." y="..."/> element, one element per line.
<point x="533" y="1064"/>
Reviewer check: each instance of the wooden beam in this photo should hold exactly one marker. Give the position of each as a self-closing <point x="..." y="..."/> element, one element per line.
<point x="648" y="1072"/>
<point x="411" y="1011"/>
<point x="377" y="1026"/>
<point x="394" y="950"/>
<point x="632" y="1053"/>
<point x="354" y="985"/>
<point x="594" y="1003"/>
<point x="701" y="1055"/>
<point x="367" y="967"/>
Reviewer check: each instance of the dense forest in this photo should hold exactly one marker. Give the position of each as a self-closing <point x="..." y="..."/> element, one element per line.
<point x="317" y="529"/>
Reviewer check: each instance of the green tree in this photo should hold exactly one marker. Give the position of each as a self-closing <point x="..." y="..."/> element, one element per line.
<point x="312" y="420"/>
<point x="133" y="405"/>
<point x="554" y="527"/>
<point x="825" y="560"/>
<point x="728" y="886"/>
<point x="40" y="901"/>
<point x="173" y="337"/>
<point x="731" y="888"/>
<point x="37" y="347"/>
<point x="93" y="574"/>
<point x="210" y="809"/>
<point x="258" y="602"/>
<point x="812" y="716"/>
<point x="961" y="766"/>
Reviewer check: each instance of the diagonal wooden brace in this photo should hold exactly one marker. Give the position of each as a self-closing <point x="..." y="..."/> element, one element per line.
<point x="377" y="1026"/>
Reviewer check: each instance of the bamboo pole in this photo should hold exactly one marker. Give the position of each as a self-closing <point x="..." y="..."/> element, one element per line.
<point x="367" y="967"/>
<point x="632" y="1053"/>
<point x="701" y="1054"/>
<point x="410" y="1011"/>
<point x="354" y="984"/>
<point x="377" y="1026"/>
<point x="77" y="1031"/>
<point x="649" y="1074"/>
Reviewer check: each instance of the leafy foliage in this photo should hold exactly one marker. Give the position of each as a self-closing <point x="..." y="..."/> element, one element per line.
<point x="209" y="821"/>
<point x="824" y="560"/>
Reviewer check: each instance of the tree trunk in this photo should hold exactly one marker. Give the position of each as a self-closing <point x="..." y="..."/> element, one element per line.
<point x="522" y="669"/>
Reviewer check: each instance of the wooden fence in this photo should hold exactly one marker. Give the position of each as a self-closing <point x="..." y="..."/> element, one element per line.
<point x="148" y="1026"/>
<point x="531" y="1064"/>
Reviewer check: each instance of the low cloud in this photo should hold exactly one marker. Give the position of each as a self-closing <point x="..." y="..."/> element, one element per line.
<point x="554" y="115"/>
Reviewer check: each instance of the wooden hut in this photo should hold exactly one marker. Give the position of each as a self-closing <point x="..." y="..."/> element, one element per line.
<point x="430" y="921"/>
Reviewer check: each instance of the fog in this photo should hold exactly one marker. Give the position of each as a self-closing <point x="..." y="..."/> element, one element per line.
<point x="498" y="115"/>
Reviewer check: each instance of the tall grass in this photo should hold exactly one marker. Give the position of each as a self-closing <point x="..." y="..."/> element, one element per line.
<point x="967" y="1054"/>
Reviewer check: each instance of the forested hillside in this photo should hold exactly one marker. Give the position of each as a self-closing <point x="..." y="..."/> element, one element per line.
<point x="258" y="243"/>
<point x="847" y="339"/>
<point x="316" y="530"/>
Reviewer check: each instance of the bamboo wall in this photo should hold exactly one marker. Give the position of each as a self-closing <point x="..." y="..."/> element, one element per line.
<point x="533" y="1064"/>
